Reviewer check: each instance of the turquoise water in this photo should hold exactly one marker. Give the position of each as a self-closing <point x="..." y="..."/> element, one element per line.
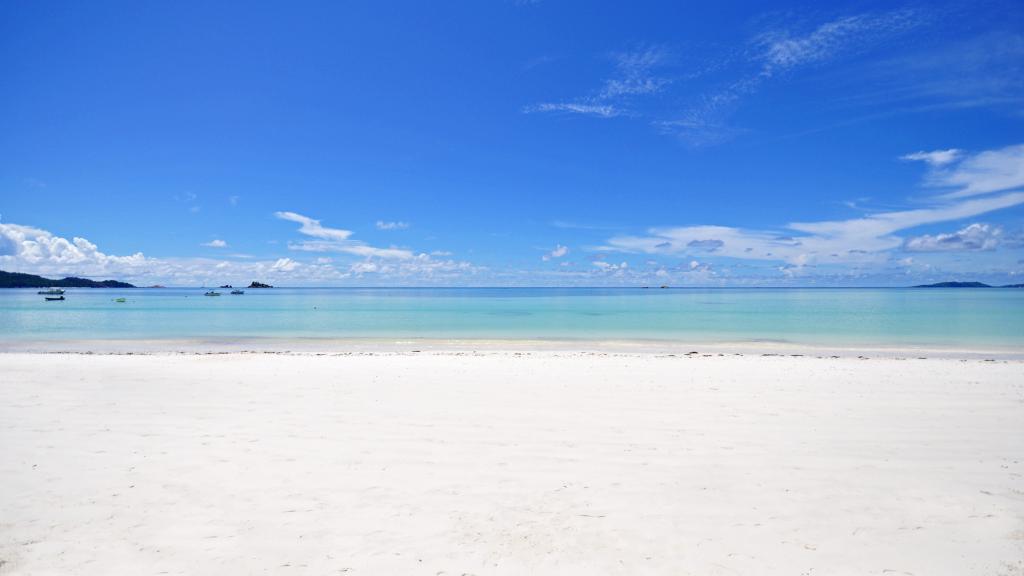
<point x="939" y="317"/>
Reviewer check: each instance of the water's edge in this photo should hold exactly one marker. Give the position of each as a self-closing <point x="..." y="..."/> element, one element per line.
<point x="344" y="346"/>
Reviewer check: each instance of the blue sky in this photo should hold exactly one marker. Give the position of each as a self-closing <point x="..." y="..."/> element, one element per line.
<point x="513" y="143"/>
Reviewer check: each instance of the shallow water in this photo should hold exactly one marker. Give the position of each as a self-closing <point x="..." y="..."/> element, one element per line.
<point x="855" y="316"/>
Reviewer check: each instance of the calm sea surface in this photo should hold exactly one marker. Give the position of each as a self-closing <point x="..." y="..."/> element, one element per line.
<point x="942" y="317"/>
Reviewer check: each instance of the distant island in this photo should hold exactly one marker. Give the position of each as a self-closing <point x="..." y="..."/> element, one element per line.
<point x="19" y="280"/>
<point x="966" y="285"/>
<point x="256" y="284"/>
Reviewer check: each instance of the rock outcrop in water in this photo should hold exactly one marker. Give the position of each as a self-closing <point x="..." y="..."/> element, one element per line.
<point x="256" y="284"/>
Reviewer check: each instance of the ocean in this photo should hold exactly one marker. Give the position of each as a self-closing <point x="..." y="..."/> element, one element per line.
<point x="956" y="318"/>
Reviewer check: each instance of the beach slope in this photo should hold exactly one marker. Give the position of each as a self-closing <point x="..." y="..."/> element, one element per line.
<point x="509" y="463"/>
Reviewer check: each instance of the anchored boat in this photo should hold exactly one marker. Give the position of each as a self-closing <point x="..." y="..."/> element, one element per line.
<point x="53" y="291"/>
<point x="53" y="298"/>
<point x="212" y="293"/>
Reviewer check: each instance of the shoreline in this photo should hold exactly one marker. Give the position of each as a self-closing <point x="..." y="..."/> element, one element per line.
<point x="643" y="347"/>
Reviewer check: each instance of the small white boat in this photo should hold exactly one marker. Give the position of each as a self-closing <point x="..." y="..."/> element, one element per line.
<point x="53" y="291"/>
<point x="212" y="293"/>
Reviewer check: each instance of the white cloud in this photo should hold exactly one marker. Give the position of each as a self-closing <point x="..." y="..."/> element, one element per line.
<point x="783" y="50"/>
<point x="190" y="199"/>
<point x="704" y="119"/>
<point x="421" y="266"/>
<point x="217" y="243"/>
<point x="39" y="249"/>
<point x="633" y="77"/>
<point x="982" y="173"/>
<point x="609" y="267"/>
<point x="558" y="252"/>
<point x="284" y="265"/>
<point x="731" y="242"/>
<point x="699" y="128"/>
<point x="351" y="247"/>
<point x="335" y="239"/>
<point x="885" y="223"/>
<point x="971" y="238"/>
<point x="600" y="110"/>
<point x="311" y="227"/>
<point x="382" y="225"/>
<point x="933" y="71"/>
<point x="935" y="157"/>
<point x="403" y="263"/>
<point x="705" y="122"/>
<point x="35" y="251"/>
<point x="634" y="74"/>
<point x="865" y="239"/>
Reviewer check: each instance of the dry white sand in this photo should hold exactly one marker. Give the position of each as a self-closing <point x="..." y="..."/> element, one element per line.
<point x="509" y="464"/>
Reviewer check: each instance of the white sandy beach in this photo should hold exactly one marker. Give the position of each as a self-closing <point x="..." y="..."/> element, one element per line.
<point x="510" y="463"/>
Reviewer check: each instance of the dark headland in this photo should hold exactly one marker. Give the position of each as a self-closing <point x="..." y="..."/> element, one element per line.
<point x="19" y="280"/>
<point x="966" y="285"/>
